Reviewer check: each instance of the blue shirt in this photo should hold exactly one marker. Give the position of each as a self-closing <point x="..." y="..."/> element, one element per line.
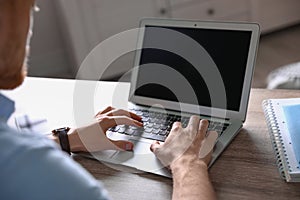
<point x="32" y="167"/>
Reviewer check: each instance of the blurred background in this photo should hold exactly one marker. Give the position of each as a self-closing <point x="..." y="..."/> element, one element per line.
<point x="65" y="31"/>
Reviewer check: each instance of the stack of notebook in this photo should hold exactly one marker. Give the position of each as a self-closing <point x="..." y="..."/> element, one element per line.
<point x="283" y="119"/>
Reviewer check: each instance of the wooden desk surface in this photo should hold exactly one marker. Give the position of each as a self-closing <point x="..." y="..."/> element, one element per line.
<point x="245" y="170"/>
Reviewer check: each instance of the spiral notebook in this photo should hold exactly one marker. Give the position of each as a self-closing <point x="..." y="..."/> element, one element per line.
<point x="283" y="120"/>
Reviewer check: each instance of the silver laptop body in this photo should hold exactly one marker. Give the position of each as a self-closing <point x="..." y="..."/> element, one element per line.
<point x="185" y="68"/>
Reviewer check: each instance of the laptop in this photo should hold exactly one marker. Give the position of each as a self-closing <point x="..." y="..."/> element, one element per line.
<point x="185" y="68"/>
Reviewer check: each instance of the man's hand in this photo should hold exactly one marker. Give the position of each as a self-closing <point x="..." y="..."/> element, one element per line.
<point x="181" y="153"/>
<point x="93" y="137"/>
<point x="182" y="143"/>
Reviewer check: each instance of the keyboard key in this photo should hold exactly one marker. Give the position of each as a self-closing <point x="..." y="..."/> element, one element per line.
<point x="137" y="133"/>
<point x="159" y="138"/>
<point x="139" y="113"/>
<point x="164" y="127"/>
<point x="134" y="128"/>
<point x="155" y="131"/>
<point x="129" y="132"/>
<point x="149" y="125"/>
<point x="154" y="137"/>
<point x="158" y="125"/>
<point x="145" y="119"/>
<point x="148" y="130"/>
<point x="152" y="120"/>
<point x="112" y="129"/>
<point x="147" y="135"/>
<point x="121" y="130"/>
<point x="163" y="132"/>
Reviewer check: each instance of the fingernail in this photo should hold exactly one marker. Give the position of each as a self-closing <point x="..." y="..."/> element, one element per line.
<point x="128" y="147"/>
<point x="139" y="123"/>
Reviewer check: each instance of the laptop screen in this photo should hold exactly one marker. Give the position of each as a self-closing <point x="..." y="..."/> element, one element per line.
<point x="226" y="49"/>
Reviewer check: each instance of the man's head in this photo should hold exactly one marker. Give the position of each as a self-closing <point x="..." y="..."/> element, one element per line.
<point x="14" y="32"/>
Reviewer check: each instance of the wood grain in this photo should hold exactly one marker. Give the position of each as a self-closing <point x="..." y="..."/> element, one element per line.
<point x="245" y="170"/>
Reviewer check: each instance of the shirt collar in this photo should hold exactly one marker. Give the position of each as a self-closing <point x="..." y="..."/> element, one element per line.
<point x="7" y="107"/>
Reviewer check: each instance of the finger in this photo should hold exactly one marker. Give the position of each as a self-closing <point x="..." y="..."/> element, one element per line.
<point x="194" y="122"/>
<point x="135" y="116"/>
<point x="154" y="146"/>
<point x="107" y="109"/>
<point x="208" y="144"/>
<point x="175" y="127"/>
<point x="122" y="120"/>
<point x="201" y="132"/>
<point x="207" y="158"/>
<point x="121" y="112"/>
<point x="123" y="145"/>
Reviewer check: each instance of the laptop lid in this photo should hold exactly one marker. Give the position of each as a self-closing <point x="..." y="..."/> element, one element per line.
<point x="196" y="67"/>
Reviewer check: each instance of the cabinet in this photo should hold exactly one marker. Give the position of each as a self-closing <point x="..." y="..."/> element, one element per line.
<point x="275" y="14"/>
<point x="212" y="10"/>
<point x="270" y="14"/>
<point x="87" y="23"/>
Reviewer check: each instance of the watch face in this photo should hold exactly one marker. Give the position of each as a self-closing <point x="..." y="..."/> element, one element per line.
<point x="60" y="130"/>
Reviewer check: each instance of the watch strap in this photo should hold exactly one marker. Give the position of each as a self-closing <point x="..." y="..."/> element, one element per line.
<point x="62" y="134"/>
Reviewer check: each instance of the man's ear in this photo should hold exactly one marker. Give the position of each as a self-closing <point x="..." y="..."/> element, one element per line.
<point x="14" y="26"/>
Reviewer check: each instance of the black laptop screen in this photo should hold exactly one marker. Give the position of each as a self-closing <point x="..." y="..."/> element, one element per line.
<point x="170" y="75"/>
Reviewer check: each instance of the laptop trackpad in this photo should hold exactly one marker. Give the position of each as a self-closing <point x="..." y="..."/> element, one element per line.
<point x="140" y="158"/>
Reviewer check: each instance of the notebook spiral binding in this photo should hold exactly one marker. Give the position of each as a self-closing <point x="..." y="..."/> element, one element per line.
<point x="276" y="139"/>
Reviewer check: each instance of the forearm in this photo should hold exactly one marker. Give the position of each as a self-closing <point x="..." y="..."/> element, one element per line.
<point x="191" y="181"/>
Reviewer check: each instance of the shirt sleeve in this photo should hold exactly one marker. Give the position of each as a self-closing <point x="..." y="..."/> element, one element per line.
<point x="33" y="168"/>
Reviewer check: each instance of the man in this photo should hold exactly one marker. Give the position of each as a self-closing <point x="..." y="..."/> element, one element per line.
<point x="32" y="167"/>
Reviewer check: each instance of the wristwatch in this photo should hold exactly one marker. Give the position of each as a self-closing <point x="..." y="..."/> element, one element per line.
<point x="62" y="134"/>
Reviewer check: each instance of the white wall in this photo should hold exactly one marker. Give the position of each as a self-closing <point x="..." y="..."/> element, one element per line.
<point x="66" y="31"/>
<point x="49" y="56"/>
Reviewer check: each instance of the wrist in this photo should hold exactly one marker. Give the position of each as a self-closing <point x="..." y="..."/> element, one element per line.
<point x="191" y="179"/>
<point x="74" y="141"/>
<point x="185" y="163"/>
<point x="76" y="144"/>
<point x="62" y="135"/>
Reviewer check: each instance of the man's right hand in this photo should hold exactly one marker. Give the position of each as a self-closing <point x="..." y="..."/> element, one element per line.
<point x="183" y="143"/>
<point x="181" y="153"/>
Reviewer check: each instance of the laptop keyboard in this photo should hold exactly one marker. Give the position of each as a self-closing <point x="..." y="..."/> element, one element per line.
<point x="158" y="125"/>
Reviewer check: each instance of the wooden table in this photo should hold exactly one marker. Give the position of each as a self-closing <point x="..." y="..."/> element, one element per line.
<point x="245" y="170"/>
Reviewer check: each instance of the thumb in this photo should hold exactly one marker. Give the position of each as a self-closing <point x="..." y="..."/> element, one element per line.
<point x="123" y="145"/>
<point x="208" y="146"/>
<point x="154" y="146"/>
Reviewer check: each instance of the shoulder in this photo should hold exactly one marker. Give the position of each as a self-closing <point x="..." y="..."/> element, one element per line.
<point x="13" y="143"/>
<point x="33" y="166"/>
